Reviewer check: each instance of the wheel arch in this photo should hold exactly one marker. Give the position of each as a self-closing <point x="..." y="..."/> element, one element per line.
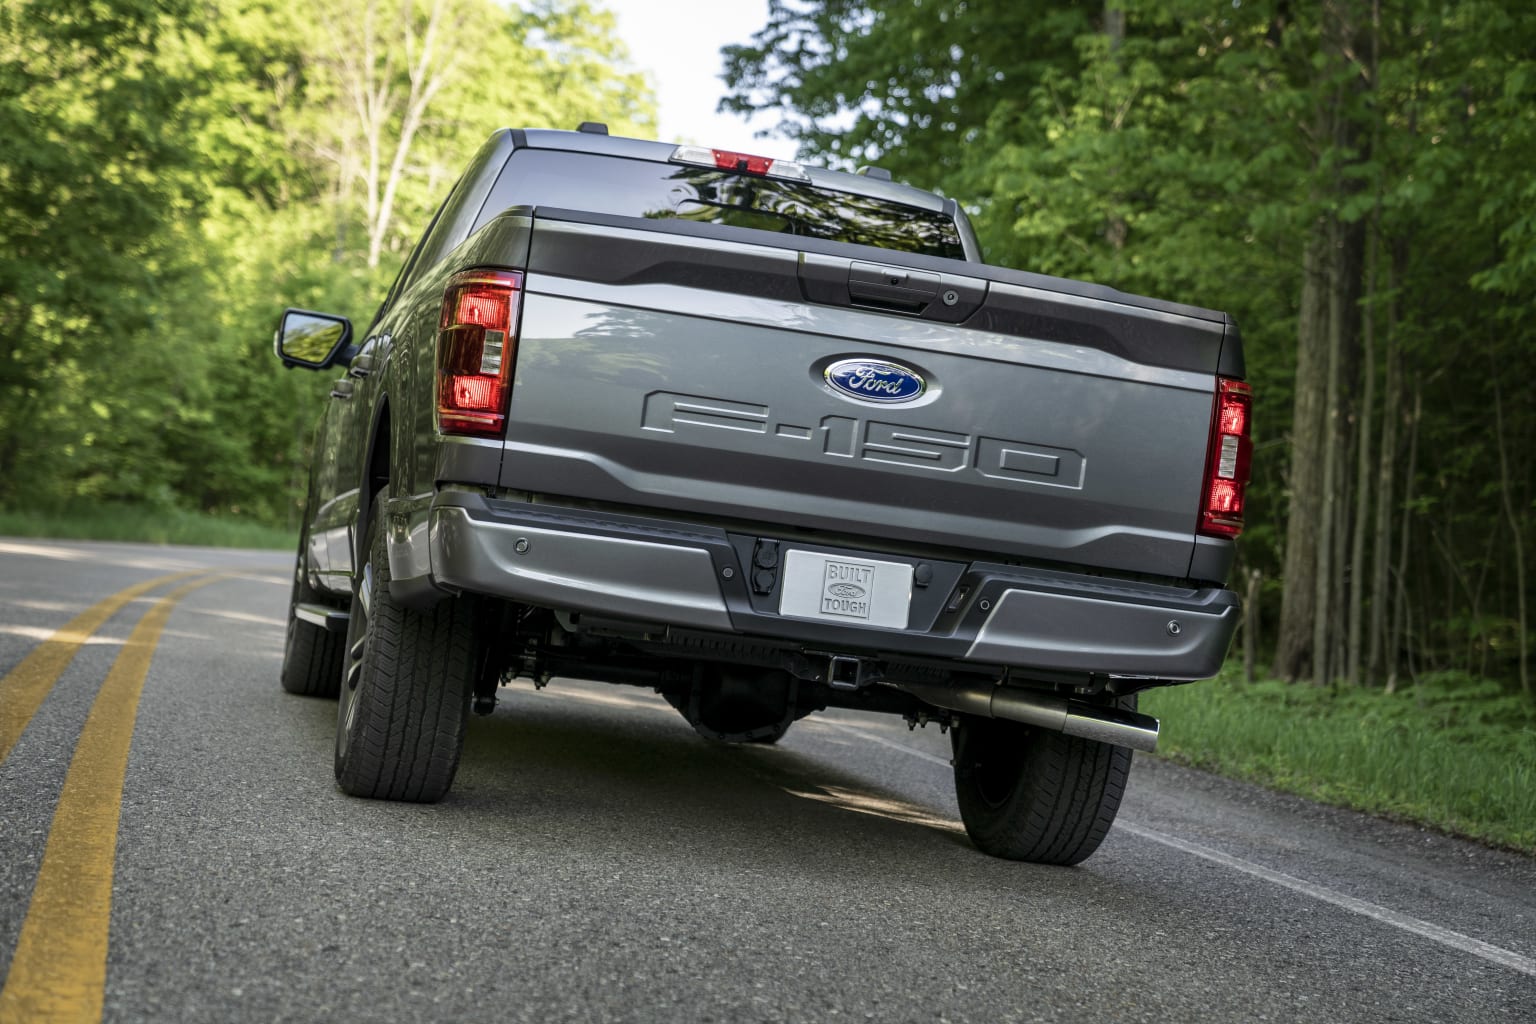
<point x="377" y="467"/>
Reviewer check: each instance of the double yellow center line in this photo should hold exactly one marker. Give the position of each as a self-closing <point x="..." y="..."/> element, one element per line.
<point x="59" y="970"/>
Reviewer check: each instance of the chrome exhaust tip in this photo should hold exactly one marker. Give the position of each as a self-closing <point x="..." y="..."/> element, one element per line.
<point x="1114" y="726"/>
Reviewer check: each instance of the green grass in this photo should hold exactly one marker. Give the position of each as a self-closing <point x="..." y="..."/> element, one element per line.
<point x="1453" y="753"/>
<point x="138" y="523"/>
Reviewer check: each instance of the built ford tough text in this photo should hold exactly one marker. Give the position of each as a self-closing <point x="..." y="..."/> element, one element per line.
<point x="768" y="439"/>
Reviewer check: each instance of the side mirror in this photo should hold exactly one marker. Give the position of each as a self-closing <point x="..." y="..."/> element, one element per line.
<point x="311" y="340"/>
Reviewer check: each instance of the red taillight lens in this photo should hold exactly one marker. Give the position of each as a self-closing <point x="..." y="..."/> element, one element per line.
<point x="742" y="162"/>
<point x="476" y="349"/>
<point x="1227" y="461"/>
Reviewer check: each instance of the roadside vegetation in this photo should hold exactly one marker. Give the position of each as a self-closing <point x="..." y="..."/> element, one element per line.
<point x="122" y="522"/>
<point x="1448" y="752"/>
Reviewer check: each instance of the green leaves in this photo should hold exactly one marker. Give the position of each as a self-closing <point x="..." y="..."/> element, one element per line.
<point x="174" y="173"/>
<point x="1190" y="150"/>
<point x="94" y="105"/>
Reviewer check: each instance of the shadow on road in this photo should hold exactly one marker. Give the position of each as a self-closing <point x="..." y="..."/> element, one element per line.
<point x="583" y="757"/>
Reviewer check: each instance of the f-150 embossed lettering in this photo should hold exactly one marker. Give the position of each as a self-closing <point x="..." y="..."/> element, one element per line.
<point x="898" y="444"/>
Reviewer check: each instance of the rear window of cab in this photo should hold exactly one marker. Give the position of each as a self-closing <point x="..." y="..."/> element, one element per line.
<point x="651" y="189"/>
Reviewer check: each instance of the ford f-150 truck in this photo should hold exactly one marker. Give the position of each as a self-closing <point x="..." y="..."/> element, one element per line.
<point x="769" y="439"/>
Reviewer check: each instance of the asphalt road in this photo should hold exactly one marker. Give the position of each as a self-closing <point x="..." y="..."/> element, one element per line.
<point x="597" y="861"/>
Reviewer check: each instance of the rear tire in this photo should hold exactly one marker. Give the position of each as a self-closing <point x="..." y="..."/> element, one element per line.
<point x="405" y="694"/>
<point x="1034" y="795"/>
<point x="312" y="655"/>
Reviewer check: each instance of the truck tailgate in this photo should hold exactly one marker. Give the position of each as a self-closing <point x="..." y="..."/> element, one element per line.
<point x="682" y="373"/>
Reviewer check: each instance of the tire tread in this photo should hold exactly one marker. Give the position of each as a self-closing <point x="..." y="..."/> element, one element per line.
<point x="1062" y="803"/>
<point x="414" y="703"/>
<point x="313" y="656"/>
<point x="313" y="660"/>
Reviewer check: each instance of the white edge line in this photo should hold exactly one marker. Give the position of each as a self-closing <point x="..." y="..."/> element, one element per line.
<point x="1444" y="936"/>
<point x="1456" y="940"/>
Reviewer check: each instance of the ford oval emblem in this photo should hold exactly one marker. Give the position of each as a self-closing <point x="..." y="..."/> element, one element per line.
<point x="847" y="591"/>
<point x="873" y="380"/>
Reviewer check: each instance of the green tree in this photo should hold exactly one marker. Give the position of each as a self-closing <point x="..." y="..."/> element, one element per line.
<point x="352" y="136"/>
<point x="908" y="84"/>
<point x="1350" y="180"/>
<point x="177" y="172"/>
<point x="95" y="176"/>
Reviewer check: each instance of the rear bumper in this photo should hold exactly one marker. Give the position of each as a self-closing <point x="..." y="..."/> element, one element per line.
<point x="700" y="578"/>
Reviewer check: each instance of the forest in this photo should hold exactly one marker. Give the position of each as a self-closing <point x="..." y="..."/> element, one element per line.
<point x="176" y="172"/>
<point x="1351" y="179"/>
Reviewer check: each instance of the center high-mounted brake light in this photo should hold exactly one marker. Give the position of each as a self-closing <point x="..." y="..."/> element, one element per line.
<point x="476" y="350"/>
<point x="741" y="163"/>
<point x="1227" y="461"/>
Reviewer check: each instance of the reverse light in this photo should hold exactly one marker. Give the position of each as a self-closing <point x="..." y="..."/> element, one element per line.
<point x="741" y="163"/>
<point x="476" y="351"/>
<point x="1227" y="460"/>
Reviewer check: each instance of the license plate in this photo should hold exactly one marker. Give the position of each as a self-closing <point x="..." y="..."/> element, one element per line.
<point x="851" y="591"/>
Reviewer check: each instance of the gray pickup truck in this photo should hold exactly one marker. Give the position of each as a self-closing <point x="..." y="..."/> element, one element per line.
<point x="768" y="439"/>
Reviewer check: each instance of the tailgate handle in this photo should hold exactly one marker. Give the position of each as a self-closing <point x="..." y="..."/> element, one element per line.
<point x="895" y="288"/>
<point x="946" y="298"/>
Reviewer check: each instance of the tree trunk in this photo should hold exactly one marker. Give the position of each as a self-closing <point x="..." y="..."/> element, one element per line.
<point x="427" y="76"/>
<point x="376" y="134"/>
<point x="1312" y="610"/>
<point x="1398" y="635"/>
<point x="1363" y="474"/>
<point x="1383" y="660"/>
<point x="1251" y="625"/>
<point x="1324" y="668"/>
<point x="1363" y="422"/>
<point x="1293" y="649"/>
<point x="1350" y="33"/>
<point x="1515" y="534"/>
<point x="1114" y="23"/>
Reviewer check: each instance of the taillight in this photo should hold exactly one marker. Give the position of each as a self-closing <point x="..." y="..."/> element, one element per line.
<point x="476" y="349"/>
<point x="1231" y="450"/>
<point x="741" y="163"/>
